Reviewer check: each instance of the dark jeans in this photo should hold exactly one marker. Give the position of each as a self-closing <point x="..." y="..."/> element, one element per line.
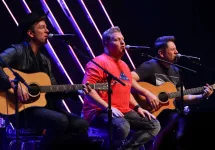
<point x="172" y="129"/>
<point x="143" y="128"/>
<point x="61" y="127"/>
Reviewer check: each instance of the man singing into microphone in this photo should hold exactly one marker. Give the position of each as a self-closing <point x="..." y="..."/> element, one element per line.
<point x="27" y="57"/>
<point x="156" y="73"/>
<point x="140" y="121"/>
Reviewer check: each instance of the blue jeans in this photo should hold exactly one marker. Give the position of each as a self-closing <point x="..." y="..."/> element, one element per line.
<point x="143" y="129"/>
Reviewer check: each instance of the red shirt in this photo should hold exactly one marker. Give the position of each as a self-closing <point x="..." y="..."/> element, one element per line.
<point x="120" y="97"/>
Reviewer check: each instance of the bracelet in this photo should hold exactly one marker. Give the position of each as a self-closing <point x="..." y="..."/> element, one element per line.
<point x="136" y="107"/>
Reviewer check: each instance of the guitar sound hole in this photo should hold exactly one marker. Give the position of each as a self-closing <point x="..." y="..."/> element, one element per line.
<point x="163" y="97"/>
<point x="34" y="89"/>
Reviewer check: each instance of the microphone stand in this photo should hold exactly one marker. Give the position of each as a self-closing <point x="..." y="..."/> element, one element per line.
<point x="180" y="80"/>
<point x="204" y="66"/>
<point x="16" y="81"/>
<point x="109" y="78"/>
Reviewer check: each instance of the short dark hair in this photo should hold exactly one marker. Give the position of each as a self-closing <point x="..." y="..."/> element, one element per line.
<point x="161" y="42"/>
<point x="28" y="22"/>
<point x="107" y="34"/>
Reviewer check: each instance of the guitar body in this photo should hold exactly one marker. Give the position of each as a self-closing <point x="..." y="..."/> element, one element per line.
<point x="165" y="102"/>
<point x="7" y="99"/>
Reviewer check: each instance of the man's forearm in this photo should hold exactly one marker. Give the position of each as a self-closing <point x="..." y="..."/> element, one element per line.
<point x="141" y="90"/>
<point x="133" y="102"/>
<point x="96" y="99"/>
<point x="192" y="99"/>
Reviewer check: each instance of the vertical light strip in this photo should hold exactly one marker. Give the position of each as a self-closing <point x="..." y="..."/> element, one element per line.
<point x="103" y="8"/>
<point x="55" y="57"/>
<point x="89" y="16"/>
<point x="59" y="30"/>
<point x="26" y="6"/>
<point x="10" y="13"/>
<point x="74" y="23"/>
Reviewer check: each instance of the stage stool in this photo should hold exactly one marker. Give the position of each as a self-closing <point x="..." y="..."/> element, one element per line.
<point x="101" y="135"/>
<point x="26" y="143"/>
<point x="29" y="139"/>
<point x="98" y="135"/>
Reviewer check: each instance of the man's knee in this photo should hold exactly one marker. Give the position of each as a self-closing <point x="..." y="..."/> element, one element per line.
<point x="121" y="130"/>
<point x="83" y="125"/>
<point x="80" y="125"/>
<point x="156" y="127"/>
<point x="62" y="123"/>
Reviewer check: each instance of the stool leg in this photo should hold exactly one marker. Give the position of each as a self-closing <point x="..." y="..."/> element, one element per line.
<point x="11" y="144"/>
<point x="34" y="144"/>
<point x="23" y="146"/>
<point x="37" y="143"/>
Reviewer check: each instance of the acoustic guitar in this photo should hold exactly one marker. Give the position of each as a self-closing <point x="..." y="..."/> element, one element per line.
<point x="39" y="85"/>
<point x="166" y="93"/>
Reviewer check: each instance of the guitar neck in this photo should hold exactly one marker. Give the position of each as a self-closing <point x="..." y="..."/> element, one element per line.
<point x="187" y="92"/>
<point x="71" y="88"/>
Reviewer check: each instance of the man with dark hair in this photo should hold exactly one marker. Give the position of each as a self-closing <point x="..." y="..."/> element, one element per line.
<point x="27" y="57"/>
<point x="156" y="73"/>
<point x="144" y="124"/>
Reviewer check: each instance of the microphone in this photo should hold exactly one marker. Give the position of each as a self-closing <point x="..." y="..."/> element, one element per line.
<point x="129" y="47"/>
<point x="185" y="56"/>
<point x="61" y="36"/>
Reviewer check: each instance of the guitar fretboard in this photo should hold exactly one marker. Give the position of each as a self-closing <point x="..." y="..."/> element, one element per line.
<point x="71" y="88"/>
<point x="186" y="92"/>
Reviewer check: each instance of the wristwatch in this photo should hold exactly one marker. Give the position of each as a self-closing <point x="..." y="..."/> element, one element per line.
<point x="136" y="107"/>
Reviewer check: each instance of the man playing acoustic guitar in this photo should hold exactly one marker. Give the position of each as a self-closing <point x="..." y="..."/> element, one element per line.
<point x="26" y="57"/>
<point x="158" y="73"/>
